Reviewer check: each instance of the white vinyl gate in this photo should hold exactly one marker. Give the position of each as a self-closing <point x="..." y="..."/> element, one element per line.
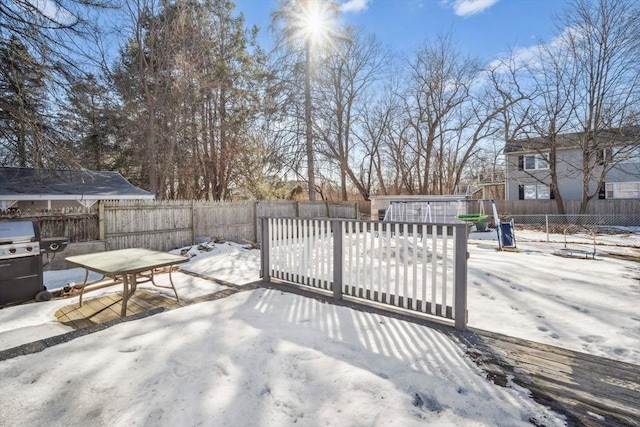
<point x="418" y="267"/>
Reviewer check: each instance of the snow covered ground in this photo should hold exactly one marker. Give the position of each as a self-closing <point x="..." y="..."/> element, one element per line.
<point x="259" y="358"/>
<point x="267" y="358"/>
<point x="590" y="306"/>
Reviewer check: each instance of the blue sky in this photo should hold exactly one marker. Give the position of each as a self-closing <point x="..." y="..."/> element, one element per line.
<point x="487" y="28"/>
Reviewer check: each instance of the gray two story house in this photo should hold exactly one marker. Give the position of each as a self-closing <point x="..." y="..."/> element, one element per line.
<point x="613" y="167"/>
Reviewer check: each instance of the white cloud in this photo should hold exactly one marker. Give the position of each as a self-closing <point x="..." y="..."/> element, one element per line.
<point x="471" y="7"/>
<point x="354" y="6"/>
<point x="54" y="11"/>
<point x="530" y="56"/>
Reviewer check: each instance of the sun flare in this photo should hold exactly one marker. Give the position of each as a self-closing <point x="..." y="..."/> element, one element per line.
<point x="317" y="20"/>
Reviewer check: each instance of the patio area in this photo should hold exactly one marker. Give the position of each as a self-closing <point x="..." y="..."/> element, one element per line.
<point x="107" y="307"/>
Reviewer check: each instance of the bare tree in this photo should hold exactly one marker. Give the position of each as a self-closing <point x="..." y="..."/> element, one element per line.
<point x="376" y="120"/>
<point x="551" y="108"/>
<point x="357" y="65"/>
<point x="603" y="39"/>
<point x="440" y="85"/>
<point x="306" y="27"/>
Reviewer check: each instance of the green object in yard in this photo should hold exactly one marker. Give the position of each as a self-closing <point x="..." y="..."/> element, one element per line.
<point x="472" y="217"/>
<point x="481" y="225"/>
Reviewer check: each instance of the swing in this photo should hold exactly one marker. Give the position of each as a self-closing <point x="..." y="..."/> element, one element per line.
<point x="472" y="217"/>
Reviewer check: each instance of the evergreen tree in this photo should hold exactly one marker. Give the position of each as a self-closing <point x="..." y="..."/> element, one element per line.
<point x="190" y="80"/>
<point x="22" y="106"/>
<point x="92" y="121"/>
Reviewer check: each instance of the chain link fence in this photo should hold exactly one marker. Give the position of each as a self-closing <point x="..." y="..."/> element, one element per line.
<point x="574" y="228"/>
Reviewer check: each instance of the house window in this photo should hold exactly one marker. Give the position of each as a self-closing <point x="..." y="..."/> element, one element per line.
<point x="543" y="191"/>
<point x="534" y="192"/>
<point x="628" y="154"/>
<point x="604" y="155"/>
<point x="622" y="190"/>
<point x="535" y="162"/>
<point x="530" y="192"/>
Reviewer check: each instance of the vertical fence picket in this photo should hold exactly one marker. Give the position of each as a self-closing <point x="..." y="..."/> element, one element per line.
<point x="382" y="289"/>
<point x="305" y="255"/>
<point x="445" y="262"/>
<point x="414" y="292"/>
<point x="423" y="265"/>
<point x="314" y="249"/>
<point x="397" y="258"/>
<point x="275" y="253"/>
<point x="434" y="267"/>
<point x="370" y="254"/>
<point x="281" y="251"/>
<point x="299" y="251"/>
<point x="323" y="258"/>
<point x="388" y="258"/>
<point x="348" y="252"/>
<point x="405" y="266"/>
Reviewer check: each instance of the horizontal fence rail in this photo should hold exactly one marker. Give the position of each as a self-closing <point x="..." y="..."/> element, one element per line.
<point x="417" y="267"/>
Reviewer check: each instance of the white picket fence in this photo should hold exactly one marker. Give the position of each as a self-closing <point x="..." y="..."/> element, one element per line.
<point x="417" y="267"/>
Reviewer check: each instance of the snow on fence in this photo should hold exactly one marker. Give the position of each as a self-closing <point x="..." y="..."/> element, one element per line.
<point x="418" y="267"/>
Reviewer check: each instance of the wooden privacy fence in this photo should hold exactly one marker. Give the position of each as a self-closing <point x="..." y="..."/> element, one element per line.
<point x="151" y="224"/>
<point x="417" y="267"/>
<point x="77" y="225"/>
<point x="165" y="225"/>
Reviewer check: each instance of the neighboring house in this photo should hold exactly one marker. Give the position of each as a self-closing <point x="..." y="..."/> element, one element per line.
<point x="33" y="189"/>
<point x="528" y="173"/>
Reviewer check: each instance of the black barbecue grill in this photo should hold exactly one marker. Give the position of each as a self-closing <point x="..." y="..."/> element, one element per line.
<point x="21" y="250"/>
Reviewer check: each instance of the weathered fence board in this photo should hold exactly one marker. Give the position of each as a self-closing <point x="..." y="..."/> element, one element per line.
<point x="229" y="221"/>
<point x="78" y="225"/>
<point x="165" y="225"/>
<point x="160" y="225"/>
<point x="77" y="228"/>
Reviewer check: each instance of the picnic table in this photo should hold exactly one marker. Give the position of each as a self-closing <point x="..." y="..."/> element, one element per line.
<point x="127" y="267"/>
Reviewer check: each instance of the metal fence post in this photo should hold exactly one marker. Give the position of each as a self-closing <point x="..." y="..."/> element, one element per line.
<point x="460" y="282"/>
<point x="265" y="270"/>
<point x="546" y="220"/>
<point x="337" y="260"/>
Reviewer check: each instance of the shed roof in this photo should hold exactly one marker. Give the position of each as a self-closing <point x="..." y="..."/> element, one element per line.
<point x="56" y="184"/>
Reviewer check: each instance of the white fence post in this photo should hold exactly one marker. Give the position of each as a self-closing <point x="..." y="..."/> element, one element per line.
<point x="337" y="259"/>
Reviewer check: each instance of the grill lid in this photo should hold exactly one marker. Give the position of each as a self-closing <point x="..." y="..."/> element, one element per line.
<point x="17" y="232"/>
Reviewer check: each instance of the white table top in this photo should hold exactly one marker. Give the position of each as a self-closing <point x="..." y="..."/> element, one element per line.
<point x="126" y="261"/>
